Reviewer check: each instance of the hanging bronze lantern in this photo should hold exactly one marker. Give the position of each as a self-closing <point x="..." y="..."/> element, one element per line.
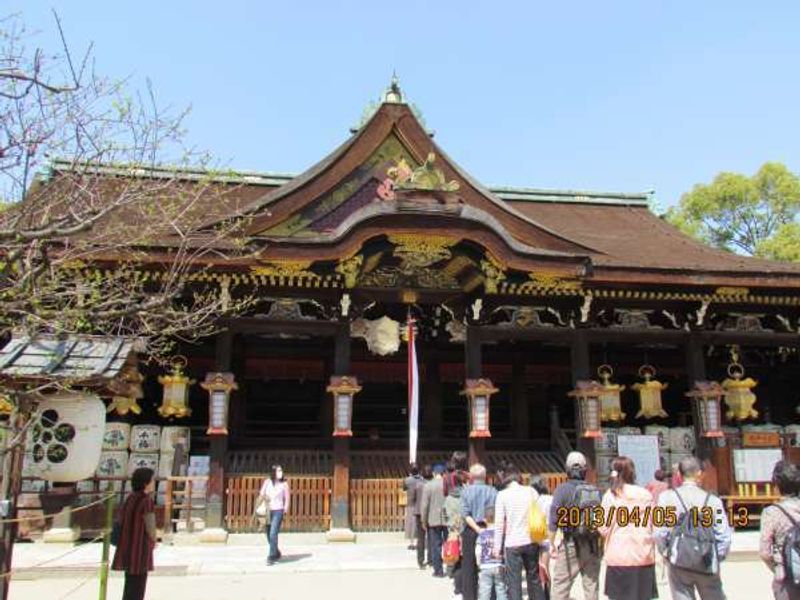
<point x="738" y="397"/>
<point x="219" y="387"/>
<point x="127" y="389"/>
<point x="706" y="396"/>
<point x="610" y="407"/>
<point x="587" y="396"/>
<point x="478" y="392"/>
<point x="650" y="394"/>
<point x="176" y="391"/>
<point x="343" y="388"/>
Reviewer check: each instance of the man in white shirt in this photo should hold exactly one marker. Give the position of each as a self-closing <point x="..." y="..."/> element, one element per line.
<point x="512" y="535"/>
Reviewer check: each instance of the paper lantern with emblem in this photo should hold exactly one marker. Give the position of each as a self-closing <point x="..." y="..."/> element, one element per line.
<point x="650" y="394"/>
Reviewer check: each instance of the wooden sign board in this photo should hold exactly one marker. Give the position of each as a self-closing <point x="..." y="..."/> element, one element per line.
<point x="761" y="439"/>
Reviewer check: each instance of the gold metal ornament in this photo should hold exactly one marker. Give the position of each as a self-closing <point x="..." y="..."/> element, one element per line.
<point x="123" y="405"/>
<point x="738" y="395"/>
<point x="610" y="407"/>
<point x="650" y="394"/>
<point x="176" y="390"/>
<point x="6" y="406"/>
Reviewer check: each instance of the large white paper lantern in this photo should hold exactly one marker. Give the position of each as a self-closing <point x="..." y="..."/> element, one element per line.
<point x="68" y="437"/>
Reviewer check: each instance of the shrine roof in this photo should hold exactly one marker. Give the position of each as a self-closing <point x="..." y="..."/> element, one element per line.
<point x="351" y="196"/>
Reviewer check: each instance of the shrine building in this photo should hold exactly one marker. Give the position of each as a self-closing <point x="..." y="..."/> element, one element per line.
<point x="542" y="319"/>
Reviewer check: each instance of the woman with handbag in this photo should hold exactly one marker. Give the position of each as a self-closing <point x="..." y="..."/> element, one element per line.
<point x="273" y="504"/>
<point x="137" y="535"/>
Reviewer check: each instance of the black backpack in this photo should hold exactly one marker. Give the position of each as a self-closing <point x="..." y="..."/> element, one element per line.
<point x="586" y="497"/>
<point x="790" y="551"/>
<point x="691" y="546"/>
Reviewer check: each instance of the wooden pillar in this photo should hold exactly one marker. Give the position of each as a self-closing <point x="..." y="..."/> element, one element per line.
<point x="473" y="363"/>
<point x="696" y="371"/>
<point x="519" y="407"/>
<point x="579" y="356"/>
<point x="218" y="450"/>
<point x="340" y="501"/>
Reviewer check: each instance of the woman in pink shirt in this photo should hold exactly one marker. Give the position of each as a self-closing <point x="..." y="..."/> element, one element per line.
<point x="275" y="491"/>
<point x="629" y="549"/>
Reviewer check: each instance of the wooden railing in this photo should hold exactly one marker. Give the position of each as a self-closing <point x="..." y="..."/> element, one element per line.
<point x="309" y="509"/>
<point x="179" y="497"/>
<point x="375" y="504"/>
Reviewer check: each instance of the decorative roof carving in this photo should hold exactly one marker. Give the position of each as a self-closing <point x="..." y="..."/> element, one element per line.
<point x="285" y="268"/>
<point x="493" y="273"/>
<point x="424" y="177"/>
<point x="350" y="268"/>
<point x="417" y="251"/>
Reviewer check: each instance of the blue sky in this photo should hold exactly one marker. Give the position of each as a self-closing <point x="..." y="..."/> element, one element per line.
<point x="622" y="96"/>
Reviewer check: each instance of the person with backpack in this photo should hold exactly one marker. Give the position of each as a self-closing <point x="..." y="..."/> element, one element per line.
<point x="779" y="545"/>
<point x="512" y="536"/>
<point x="700" y="538"/>
<point x="627" y="531"/>
<point x="574" y="543"/>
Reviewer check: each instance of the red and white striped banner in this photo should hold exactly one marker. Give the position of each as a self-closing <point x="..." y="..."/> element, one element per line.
<point x="413" y="394"/>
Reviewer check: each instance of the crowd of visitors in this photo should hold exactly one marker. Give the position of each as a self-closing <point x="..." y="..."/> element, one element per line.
<point x="483" y="536"/>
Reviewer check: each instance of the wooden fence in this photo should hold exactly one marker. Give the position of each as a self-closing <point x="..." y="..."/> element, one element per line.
<point x="310" y="504"/>
<point x="377" y="504"/>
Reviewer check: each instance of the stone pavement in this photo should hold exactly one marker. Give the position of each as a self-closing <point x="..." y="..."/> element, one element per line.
<point x="747" y="580"/>
<point x="245" y="554"/>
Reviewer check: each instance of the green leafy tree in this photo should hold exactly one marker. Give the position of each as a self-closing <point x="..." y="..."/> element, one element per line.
<point x="750" y="215"/>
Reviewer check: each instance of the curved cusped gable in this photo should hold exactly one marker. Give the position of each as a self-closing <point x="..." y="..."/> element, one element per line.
<point x="331" y="195"/>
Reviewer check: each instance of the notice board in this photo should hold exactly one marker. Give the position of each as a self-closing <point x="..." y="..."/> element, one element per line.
<point x="755" y="465"/>
<point x="643" y="451"/>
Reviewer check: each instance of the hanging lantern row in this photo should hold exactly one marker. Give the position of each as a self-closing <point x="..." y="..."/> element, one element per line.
<point x="649" y="395"/>
<point x="176" y="391"/>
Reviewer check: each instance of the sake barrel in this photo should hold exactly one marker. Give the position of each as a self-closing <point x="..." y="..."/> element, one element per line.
<point x="681" y="440"/>
<point x="68" y="437"/>
<point x="171" y="436"/>
<point x="607" y="443"/>
<point x="142" y="460"/>
<point x="117" y="436"/>
<point x="630" y="431"/>
<point x="113" y="463"/>
<point x="663" y="435"/>
<point x="604" y="464"/>
<point x="793" y="431"/>
<point x="145" y="438"/>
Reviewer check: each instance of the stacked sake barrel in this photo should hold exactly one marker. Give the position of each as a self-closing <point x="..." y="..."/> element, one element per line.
<point x="682" y="443"/>
<point x="114" y="457"/>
